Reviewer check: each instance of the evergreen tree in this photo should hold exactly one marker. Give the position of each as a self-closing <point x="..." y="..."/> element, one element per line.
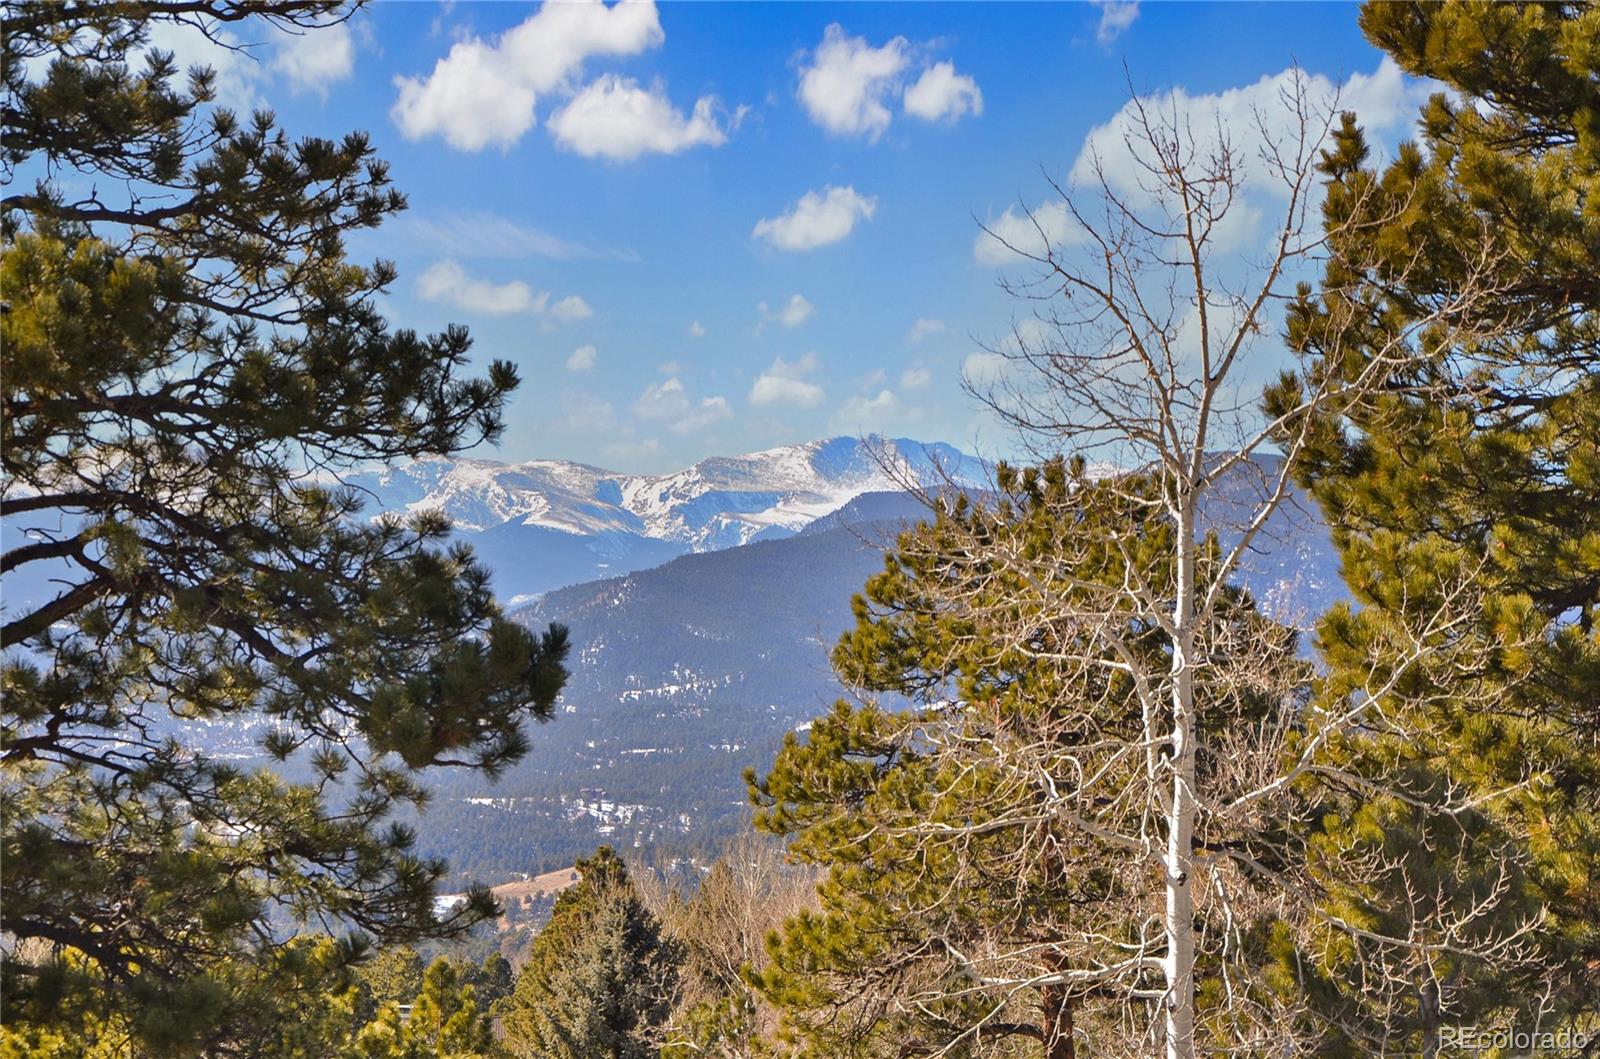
<point x="1470" y="894"/>
<point x="445" y="1021"/>
<point x="393" y="976"/>
<point x="185" y="367"/>
<point x="600" y="977"/>
<point x="493" y="980"/>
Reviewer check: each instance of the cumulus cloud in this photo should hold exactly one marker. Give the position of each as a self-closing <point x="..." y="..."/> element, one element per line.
<point x="484" y="92"/>
<point x="847" y="86"/>
<point x="582" y="359"/>
<point x="816" y="219"/>
<point x="570" y="309"/>
<point x="846" y="82"/>
<point x="448" y="283"/>
<point x="1252" y="114"/>
<point x="865" y="413"/>
<point x="923" y="328"/>
<point x="697" y="329"/>
<point x="668" y="402"/>
<point x="915" y="378"/>
<point x="787" y="383"/>
<point x="941" y="94"/>
<point x="793" y="313"/>
<point x="1015" y="232"/>
<point x="238" y="75"/>
<point x="311" y="60"/>
<point x="796" y="311"/>
<point x="1115" y="18"/>
<point x="615" y="118"/>
<point x="983" y="368"/>
<point x="315" y="60"/>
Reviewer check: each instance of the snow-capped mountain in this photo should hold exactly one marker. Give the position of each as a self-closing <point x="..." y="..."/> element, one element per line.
<point x="547" y="523"/>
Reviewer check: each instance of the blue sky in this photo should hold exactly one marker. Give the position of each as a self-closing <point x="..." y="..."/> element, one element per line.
<point x="709" y="228"/>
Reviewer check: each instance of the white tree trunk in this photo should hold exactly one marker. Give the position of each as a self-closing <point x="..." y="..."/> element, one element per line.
<point x="1180" y="925"/>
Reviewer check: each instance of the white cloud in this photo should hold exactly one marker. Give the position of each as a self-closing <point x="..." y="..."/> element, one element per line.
<point x="915" y="378"/>
<point x="697" y="329"/>
<point x="449" y="283"/>
<point x="614" y="118"/>
<point x="795" y="312"/>
<point x="786" y="383"/>
<point x="1252" y="115"/>
<point x="570" y="309"/>
<point x="987" y="367"/>
<point x="669" y="403"/>
<point x="238" y="75"/>
<point x="582" y="359"/>
<point x="983" y="368"/>
<point x="816" y="219"/>
<point x="865" y="413"/>
<point x="484" y="93"/>
<point x="923" y="328"/>
<point x="309" y="60"/>
<point x="315" y="60"/>
<point x="1115" y="18"/>
<point x="846" y="82"/>
<point x="669" y="367"/>
<point x="941" y="94"/>
<point x="710" y="410"/>
<point x="1015" y="232"/>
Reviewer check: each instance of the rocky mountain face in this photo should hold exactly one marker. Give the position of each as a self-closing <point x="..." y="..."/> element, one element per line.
<point x="547" y="523"/>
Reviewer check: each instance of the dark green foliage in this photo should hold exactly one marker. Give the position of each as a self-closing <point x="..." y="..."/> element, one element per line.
<point x="1469" y="488"/>
<point x="183" y="368"/>
<point x="600" y="977"/>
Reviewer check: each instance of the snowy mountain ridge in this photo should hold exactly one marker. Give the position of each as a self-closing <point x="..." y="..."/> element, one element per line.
<point x="720" y="502"/>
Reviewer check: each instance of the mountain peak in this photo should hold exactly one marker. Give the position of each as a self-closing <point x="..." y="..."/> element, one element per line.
<point x="718" y="502"/>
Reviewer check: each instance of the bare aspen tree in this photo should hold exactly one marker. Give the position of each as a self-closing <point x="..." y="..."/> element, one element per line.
<point x="1086" y="826"/>
<point x="1144" y="354"/>
<point x="719" y="921"/>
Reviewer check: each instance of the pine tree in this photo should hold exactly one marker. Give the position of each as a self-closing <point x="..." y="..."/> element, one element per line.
<point x="393" y="976"/>
<point x="600" y="977"/>
<point x="445" y="1021"/>
<point x="189" y="358"/>
<point x="1470" y="895"/>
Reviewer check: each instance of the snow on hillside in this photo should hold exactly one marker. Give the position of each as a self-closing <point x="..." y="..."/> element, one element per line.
<point x="720" y="502"/>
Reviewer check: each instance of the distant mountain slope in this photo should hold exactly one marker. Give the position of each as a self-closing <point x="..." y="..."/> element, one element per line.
<point x="685" y="674"/>
<point x="547" y="523"/>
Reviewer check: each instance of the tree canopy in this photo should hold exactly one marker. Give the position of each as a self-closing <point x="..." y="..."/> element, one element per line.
<point x="600" y="977"/>
<point x="190" y="360"/>
<point x="1467" y="893"/>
